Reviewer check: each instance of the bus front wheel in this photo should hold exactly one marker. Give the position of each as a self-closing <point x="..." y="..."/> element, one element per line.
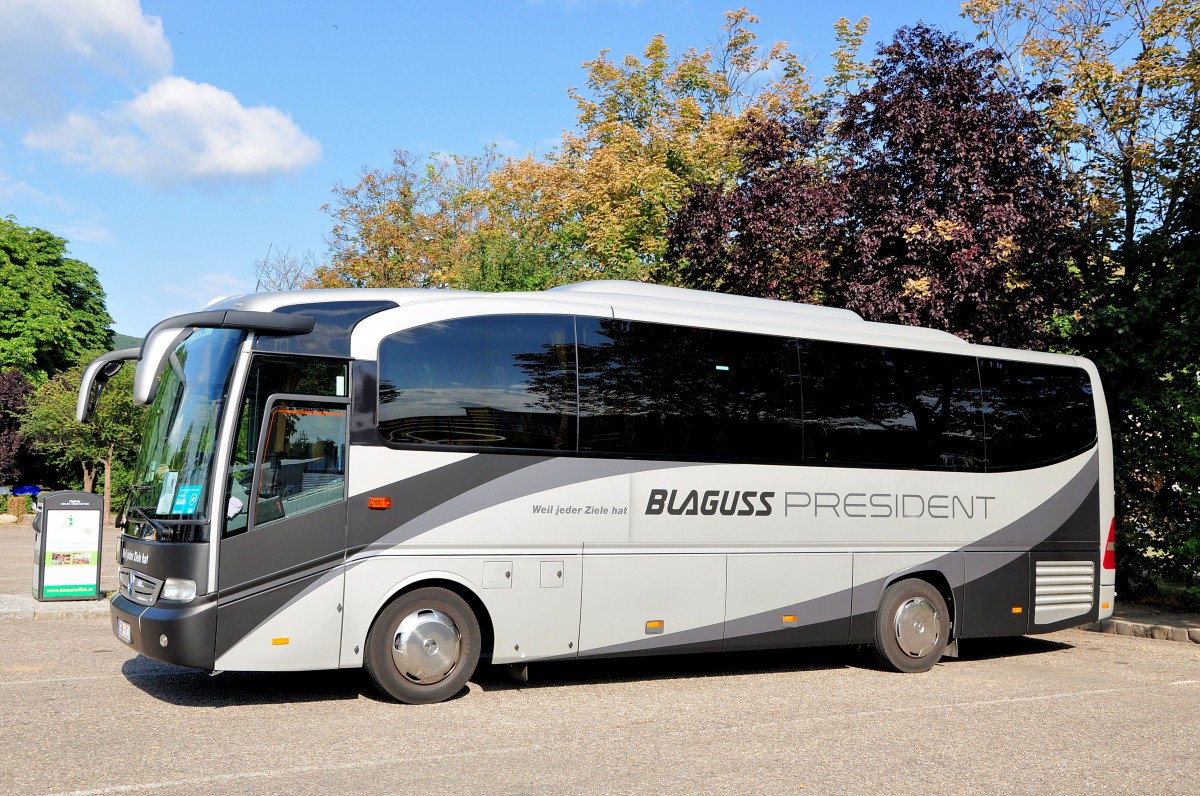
<point x="912" y="626"/>
<point x="423" y="647"/>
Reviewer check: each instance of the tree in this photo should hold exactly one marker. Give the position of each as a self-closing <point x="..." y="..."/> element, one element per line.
<point x="1153" y="364"/>
<point x="14" y="389"/>
<point x="770" y="232"/>
<point x="595" y="207"/>
<point x="106" y="445"/>
<point x="283" y="271"/>
<point x="52" y="312"/>
<point x="958" y="219"/>
<point x="649" y="128"/>
<point x="1125" y="106"/>
<point x="407" y="226"/>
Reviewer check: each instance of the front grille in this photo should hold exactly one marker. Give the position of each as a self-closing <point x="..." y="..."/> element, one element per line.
<point x="1062" y="590"/>
<point x="142" y="589"/>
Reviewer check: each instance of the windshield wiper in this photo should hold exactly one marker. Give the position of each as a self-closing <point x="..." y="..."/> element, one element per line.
<point x="132" y="508"/>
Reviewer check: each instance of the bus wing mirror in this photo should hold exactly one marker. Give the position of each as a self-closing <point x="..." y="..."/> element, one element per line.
<point x="165" y="336"/>
<point x="95" y="376"/>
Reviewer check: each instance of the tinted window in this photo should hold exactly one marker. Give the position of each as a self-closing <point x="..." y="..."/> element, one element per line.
<point x="1035" y="414"/>
<point x="875" y="406"/>
<point x="660" y="390"/>
<point x="499" y="381"/>
<point x="270" y="375"/>
<point x="304" y="466"/>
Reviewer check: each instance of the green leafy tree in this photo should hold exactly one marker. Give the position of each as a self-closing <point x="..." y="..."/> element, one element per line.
<point x="409" y="225"/>
<point x="52" y="311"/>
<point x="650" y="127"/>
<point x="105" y="446"/>
<point x="1125" y="99"/>
<point x="1153" y="364"/>
<point x="1125" y="106"/>
<point x="14" y="391"/>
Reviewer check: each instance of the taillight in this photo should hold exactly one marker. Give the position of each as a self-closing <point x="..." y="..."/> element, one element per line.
<point x="1110" y="547"/>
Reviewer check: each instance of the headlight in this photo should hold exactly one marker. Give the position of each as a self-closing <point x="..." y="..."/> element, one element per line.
<point x="179" y="589"/>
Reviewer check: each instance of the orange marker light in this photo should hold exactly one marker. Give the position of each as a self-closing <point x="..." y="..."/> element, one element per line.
<point x="280" y="642"/>
<point x="790" y="620"/>
<point x="655" y="627"/>
<point x="379" y="502"/>
<point x="1018" y="609"/>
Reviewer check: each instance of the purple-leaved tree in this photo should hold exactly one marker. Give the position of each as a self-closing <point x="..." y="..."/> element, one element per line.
<point x="767" y="234"/>
<point x="958" y="219"/>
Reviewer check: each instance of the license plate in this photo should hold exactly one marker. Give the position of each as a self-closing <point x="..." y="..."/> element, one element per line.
<point x="124" y="632"/>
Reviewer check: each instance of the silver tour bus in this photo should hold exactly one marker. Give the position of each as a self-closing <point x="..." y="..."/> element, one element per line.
<point x="414" y="481"/>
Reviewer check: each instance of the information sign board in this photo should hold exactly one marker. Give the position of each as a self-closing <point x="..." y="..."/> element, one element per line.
<point x="67" y="543"/>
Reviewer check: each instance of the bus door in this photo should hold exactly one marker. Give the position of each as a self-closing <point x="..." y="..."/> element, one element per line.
<point x="281" y="569"/>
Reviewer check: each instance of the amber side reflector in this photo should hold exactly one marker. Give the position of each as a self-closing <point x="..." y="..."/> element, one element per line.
<point x="1106" y="606"/>
<point x="790" y="620"/>
<point x="1018" y="609"/>
<point x="379" y="502"/>
<point x="655" y="627"/>
<point x="279" y="642"/>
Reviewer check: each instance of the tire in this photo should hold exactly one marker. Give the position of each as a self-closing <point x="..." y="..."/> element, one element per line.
<point x="423" y="647"/>
<point x="912" y="627"/>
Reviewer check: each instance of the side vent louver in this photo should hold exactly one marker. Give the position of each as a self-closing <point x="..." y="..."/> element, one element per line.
<point x="1062" y="590"/>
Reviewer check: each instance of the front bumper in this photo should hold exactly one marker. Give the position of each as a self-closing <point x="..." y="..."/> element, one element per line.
<point x="189" y="629"/>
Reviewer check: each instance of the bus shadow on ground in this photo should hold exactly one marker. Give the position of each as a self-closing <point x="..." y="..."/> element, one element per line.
<point x="555" y="674"/>
<point x="732" y="664"/>
<point x="986" y="649"/>
<point x="185" y="687"/>
<point x="192" y="688"/>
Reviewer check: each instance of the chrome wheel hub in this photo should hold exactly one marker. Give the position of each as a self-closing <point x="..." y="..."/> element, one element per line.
<point x="426" y="646"/>
<point x="917" y="627"/>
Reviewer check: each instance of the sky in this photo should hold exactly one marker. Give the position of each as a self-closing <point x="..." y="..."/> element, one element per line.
<point x="173" y="143"/>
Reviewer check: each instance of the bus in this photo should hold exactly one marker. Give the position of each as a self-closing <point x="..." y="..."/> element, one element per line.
<point x="413" y="481"/>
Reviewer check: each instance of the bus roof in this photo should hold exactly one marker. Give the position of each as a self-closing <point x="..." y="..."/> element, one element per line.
<point x="614" y="295"/>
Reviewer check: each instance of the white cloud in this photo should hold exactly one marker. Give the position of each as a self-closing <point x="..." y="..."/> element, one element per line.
<point x="178" y="130"/>
<point x="54" y="51"/>
<point x="14" y="190"/>
<point x="62" y="59"/>
<point x="504" y="144"/>
<point x="88" y="232"/>
<point x="200" y="289"/>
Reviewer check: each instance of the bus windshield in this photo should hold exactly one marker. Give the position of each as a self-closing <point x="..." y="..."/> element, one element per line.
<point x="173" y="474"/>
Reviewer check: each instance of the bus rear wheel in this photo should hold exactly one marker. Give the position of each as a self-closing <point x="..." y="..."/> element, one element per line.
<point x="423" y="647"/>
<point x="912" y="626"/>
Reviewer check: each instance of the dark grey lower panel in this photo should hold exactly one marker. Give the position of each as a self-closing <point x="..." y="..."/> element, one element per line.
<point x="997" y="585"/>
<point x="189" y="630"/>
<point x="831" y="633"/>
<point x="633" y="650"/>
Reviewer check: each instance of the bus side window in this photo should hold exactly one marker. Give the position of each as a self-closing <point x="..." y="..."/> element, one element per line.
<point x="890" y="407"/>
<point x="304" y="462"/>
<point x="1036" y="414"/>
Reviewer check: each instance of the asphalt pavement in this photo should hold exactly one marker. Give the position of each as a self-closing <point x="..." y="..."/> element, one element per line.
<point x="1068" y="713"/>
<point x="1071" y="712"/>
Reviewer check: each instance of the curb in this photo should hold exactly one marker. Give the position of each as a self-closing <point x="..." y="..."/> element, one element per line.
<point x="23" y="606"/>
<point x="1122" y="627"/>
